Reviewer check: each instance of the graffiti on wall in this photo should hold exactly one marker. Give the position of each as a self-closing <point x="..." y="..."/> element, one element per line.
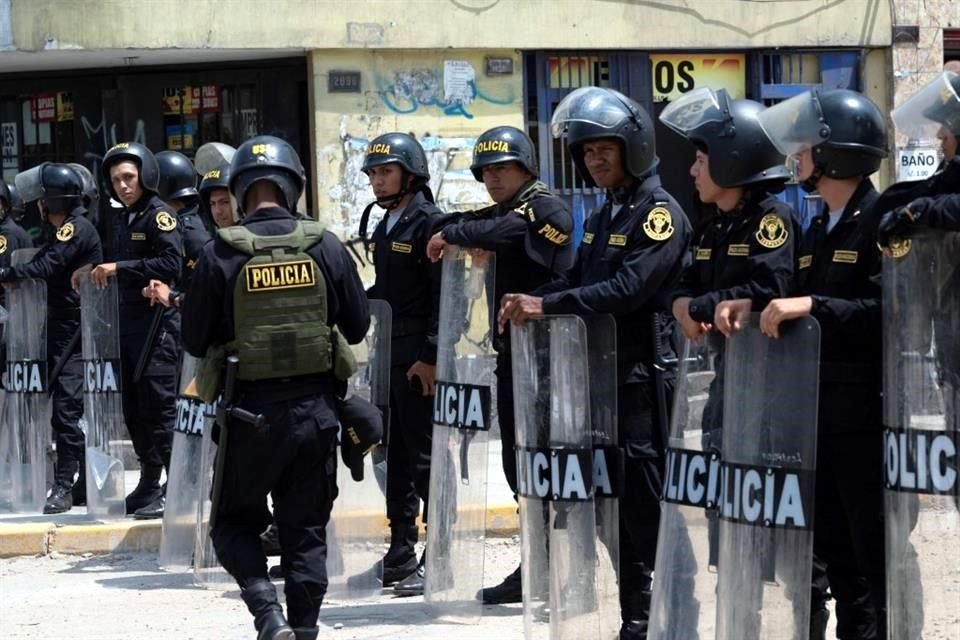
<point x="454" y="92"/>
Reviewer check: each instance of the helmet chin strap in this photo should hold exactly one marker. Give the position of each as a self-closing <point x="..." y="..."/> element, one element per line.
<point x="810" y="184"/>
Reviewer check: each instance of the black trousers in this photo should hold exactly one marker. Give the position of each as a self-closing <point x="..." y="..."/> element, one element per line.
<point x="408" y="449"/>
<point x="293" y="458"/>
<point x="149" y="406"/>
<point x="849" y="532"/>
<point x="508" y="428"/>
<point x="67" y="398"/>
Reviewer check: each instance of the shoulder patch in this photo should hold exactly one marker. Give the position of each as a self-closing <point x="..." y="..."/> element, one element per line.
<point x="165" y="221"/>
<point x="659" y="224"/>
<point x="900" y="248"/>
<point x="772" y="233"/>
<point x="525" y="211"/>
<point x="65" y="232"/>
<point x="3" y="244"/>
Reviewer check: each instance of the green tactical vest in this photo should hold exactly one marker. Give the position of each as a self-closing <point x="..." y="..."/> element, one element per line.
<point x="280" y="308"/>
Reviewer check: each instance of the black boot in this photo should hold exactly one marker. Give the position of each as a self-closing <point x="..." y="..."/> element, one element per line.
<point x="307" y="634"/>
<point x="633" y="630"/>
<point x="506" y="592"/>
<point x="260" y="597"/>
<point x="413" y="584"/>
<point x="60" y="500"/>
<point x="155" y="509"/>
<point x="635" y="612"/>
<point x="818" y="624"/>
<point x="401" y="558"/>
<point x="148" y="489"/>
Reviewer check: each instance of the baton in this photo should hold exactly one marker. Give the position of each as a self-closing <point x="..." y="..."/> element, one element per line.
<point x="148" y="344"/>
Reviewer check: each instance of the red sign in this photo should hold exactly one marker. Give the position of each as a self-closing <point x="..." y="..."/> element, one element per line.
<point x="43" y="107"/>
<point x="211" y="98"/>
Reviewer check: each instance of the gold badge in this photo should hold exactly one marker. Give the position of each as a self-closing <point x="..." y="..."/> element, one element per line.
<point x="703" y="254"/>
<point x="659" y="224"/>
<point x="166" y="222"/>
<point x="900" y="248"/>
<point x="806" y="261"/>
<point x="847" y="257"/>
<point x="3" y="244"/>
<point x="772" y="232"/>
<point x="65" y="232"/>
<point x="587" y="238"/>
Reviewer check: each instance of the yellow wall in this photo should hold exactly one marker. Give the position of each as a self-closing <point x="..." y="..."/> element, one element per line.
<point x="406" y="24"/>
<point x="402" y="91"/>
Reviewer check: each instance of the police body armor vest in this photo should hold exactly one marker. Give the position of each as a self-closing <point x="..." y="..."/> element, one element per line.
<point x="280" y="305"/>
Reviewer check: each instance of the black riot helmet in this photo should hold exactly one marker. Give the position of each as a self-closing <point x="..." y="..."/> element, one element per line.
<point x="503" y="144"/>
<point x="15" y="203"/>
<point x="178" y="180"/>
<point x="91" y="192"/>
<point x="595" y="113"/>
<point x="138" y="154"/>
<point x="844" y="130"/>
<point x="935" y="105"/>
<point x="740" y="154"/>
<point x="267" y="158"/>
<point x="396" y="147"/>
<point x="214" y="179"/>
<point x="58" y="185"/>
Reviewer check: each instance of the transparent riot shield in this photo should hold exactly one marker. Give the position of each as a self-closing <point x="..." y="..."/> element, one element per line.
<point x="685" y="585"/>
<point x="355" y="531"/>
<point x="26" y="429"/>
<point x="462" y="418"/>
<point x="607" y="465"/>
<point x="555" y="454"/>
<point x="767" y="482"/>
<point x="207" y="571"/>
<point x="102" y="400"/>
<point x="921" y="327"/>
<point x="184" y="482"/>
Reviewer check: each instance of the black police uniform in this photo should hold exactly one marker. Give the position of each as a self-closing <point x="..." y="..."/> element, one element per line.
<point x="148" y="245"/>
<point x="75" y="244"/>
<point x="12" y="238"/>
<point x="525" y="260"/>
<point x="626" y="266"/>
<point x="840" y="270"/>
<point x="293" y="456"/>
<point x="410" y="283"/>
<point x="195" y="234"/>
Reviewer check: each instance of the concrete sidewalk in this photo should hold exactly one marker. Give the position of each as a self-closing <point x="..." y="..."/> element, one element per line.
<point x="76" y="533"/>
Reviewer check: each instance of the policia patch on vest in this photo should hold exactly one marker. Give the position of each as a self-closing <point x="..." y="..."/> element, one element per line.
<point x="165" y="221"/>
<point x="659" y="224"/>
<point x="65" y="232"/>
<point x="772" y="232"/>
<point x="279" y="275"/>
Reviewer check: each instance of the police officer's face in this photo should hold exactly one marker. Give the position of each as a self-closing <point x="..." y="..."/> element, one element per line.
<point x="386" y="180"/>
<point x="948" y="144"/>
<point x="504" y="180"/>
<point x="708" y="190"/>
<point x="803" y="162"/>
<point x="604" y="161"/>
<point x="125" y="178"/>
<point x="221" y="208"/>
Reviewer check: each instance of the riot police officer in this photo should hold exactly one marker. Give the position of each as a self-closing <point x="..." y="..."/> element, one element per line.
<point x="146" y="244"/>
<point x="838" y="139"/>
<point x="397" y="167"/>
<point x="59" y="192"/>
<point x="632" y="254"/>
<point x="12" y="235"/>
<point x="274" y="291"/>
<point x="215" y="196"/>
<point x="530" y="230"/>
<point x="178" y="189"/>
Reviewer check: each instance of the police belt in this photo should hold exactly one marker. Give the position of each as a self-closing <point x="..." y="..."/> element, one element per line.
<point x="849" y="371"/>
<point x="285" y="389"/>
<point x="408" y="326"/>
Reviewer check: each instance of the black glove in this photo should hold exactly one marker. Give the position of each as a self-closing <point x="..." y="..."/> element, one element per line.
<point x="896" y="224"/>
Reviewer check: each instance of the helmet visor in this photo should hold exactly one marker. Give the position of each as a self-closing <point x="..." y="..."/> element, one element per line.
<point x="604" y="108"/>
<point x="935" y="105"/>
<point x="212" y="156"/>
<point x="795" y="124"/>
<point x="29" y="183"/>
<point x="693" y="110"/>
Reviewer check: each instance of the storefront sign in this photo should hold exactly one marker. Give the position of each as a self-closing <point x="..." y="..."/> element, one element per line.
<point x="8" y="138"/>
<point x="917" y="163"/>
<point x="64" y="106"/>
<point x="43" y="107"/>
<point x="676" y="74"/>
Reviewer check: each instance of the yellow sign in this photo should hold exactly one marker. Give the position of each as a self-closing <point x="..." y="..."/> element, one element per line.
<point x="280" y="275"/>
<point x="677" y="73"/>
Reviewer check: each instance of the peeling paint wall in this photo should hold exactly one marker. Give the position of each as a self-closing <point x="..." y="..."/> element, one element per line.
<point x="404" y="91"/>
